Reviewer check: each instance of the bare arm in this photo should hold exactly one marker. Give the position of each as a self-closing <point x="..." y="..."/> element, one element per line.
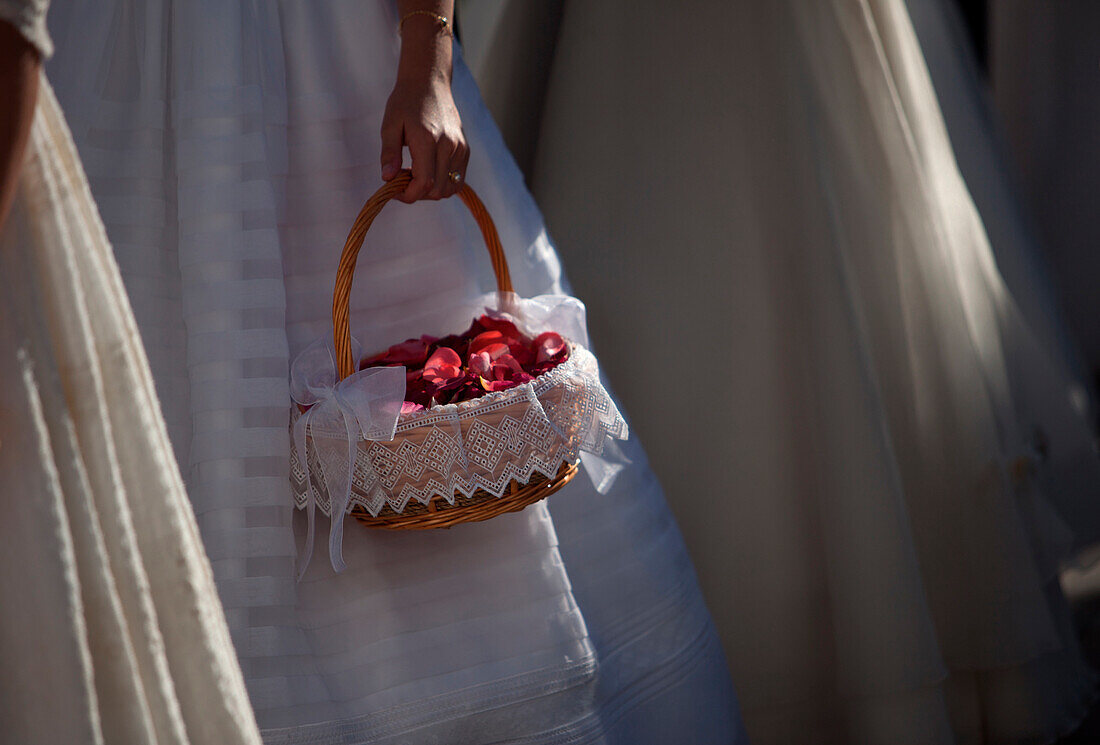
<point x="19" y="66"/>
<point x="421" y="113"/>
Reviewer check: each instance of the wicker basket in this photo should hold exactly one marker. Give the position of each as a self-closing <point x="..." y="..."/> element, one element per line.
<point x="437" y="512"/>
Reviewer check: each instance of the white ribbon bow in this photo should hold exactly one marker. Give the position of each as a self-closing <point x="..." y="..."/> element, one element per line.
<point x="366" y="404"/>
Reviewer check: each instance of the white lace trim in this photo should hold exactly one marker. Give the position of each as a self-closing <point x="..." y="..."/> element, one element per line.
<point x="480" y="444"/>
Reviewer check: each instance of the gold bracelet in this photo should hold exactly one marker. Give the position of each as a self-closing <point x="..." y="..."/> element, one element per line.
<point x="443" y="21"/>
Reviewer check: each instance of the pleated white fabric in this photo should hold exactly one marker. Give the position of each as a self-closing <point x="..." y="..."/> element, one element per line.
<point x="229" y="146"/>
<point x="872" y="488"/>
<point x="111" y="630"/>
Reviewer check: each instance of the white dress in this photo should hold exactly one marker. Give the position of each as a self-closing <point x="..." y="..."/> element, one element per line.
<point x="879" y="455"/>
<point x="1025" y="258"/>
<point x="229" y="145"/>
<point x="110" y="630"/>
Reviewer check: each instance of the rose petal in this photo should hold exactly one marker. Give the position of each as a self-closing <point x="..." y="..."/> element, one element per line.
<point x="523" y="353"/>
<point x="496" y="350"/>
<point x="443" y="357"/>
<point x="443" y="368"/>
<point x="486" y="339"/>
<point x="548" y="345"/>
<point x="408" y="407"/>
<point x="412" y="350"/>
<point x="505" y="367"/>
<point x="497" y="355"/>
<point x="457" y="343"/>
<point x="455" y="382"/>
<point x="418" y="392"/>
<point x="503" y="325"/>
<point x="480" y="363"/>
<point x="409" y="352"/>
<point x="475" y="329"/>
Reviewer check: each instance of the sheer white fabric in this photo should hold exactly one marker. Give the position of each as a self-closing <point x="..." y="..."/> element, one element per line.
<point x="977" y="142"/>
<point x="111" y="630"/>
<point x="230" y="144"/>
<point x="878" y="539"/>
<point x="1023" y="259"/>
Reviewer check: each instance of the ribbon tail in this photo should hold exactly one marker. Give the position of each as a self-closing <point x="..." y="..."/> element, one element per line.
<point x="300" y="429"/>
<point x="340" y="503"/>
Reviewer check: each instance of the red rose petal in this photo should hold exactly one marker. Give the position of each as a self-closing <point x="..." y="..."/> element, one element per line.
<point x="411" y="352"/>
<point x="548" y="345"/>
<point x="486" y="339"/>
<point x="443" y="367"/>
<point x="497" y="355"/>
<point x="523" y="353"/>
<point x="504" y="326"/>
<point x="505" y="367"/>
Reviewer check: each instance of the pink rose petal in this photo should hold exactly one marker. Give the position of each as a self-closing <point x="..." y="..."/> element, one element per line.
<point x="480" y="363"/>
<point x="443" y="367"/>
<point x="496" y="350"/>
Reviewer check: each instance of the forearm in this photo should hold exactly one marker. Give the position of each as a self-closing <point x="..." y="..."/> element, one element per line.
<point x="425" y="46"/>
<point x="19" y="69"/>
<point x="421" y="113"/>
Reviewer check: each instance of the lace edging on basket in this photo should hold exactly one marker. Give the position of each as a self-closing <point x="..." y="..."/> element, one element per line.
<point x="478" y="445"/>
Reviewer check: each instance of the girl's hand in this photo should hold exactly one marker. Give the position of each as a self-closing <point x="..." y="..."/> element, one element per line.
<point x="420" y="113"/>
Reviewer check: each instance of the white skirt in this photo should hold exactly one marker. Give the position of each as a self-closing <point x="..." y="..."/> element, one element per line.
<point x="229" y="145"/>
<point x="111" y="630"/>
<point x="904" y="453"/>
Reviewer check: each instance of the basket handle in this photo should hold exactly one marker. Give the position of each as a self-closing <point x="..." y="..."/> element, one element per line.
<point x="341" y="294"/>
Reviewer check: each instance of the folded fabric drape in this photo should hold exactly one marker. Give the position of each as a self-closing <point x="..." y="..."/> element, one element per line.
<point x="895" y="455"/>
<point x="111" y="630"/>
<point x="230" y="145"/>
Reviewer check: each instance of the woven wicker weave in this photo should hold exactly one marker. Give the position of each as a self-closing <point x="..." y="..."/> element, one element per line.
<point x="437" y="513"/>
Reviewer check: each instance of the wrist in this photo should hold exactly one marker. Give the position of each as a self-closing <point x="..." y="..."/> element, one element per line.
<point x="421" y="16"/>
<point x="425" y="60"/>
<point x="423" y="76"/>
